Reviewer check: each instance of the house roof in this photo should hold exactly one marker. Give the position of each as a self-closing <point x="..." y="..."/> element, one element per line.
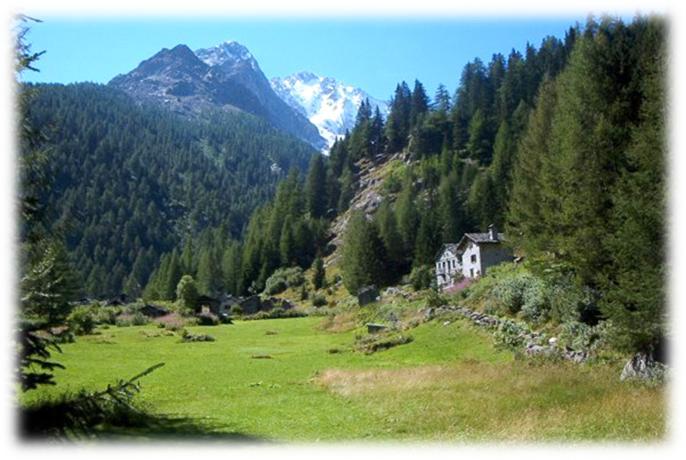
<point x="452" y="247"/>
<point x="481" y="238"/>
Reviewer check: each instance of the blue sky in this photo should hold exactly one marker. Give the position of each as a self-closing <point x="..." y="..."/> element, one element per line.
<point x="372" y="54"/>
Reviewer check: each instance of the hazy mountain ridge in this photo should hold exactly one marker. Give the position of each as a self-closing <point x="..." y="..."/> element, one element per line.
<point x="226" y="76"/>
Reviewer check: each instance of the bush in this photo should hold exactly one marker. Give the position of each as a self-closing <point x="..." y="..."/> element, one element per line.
<point x="435" y="300"/>
<point x="187" y="292"/>
<point x="173" y="321"/>
<point x="132" y="319"/>
<point x="304" y="293"/>
<point x="509" y="335"/>
<point x="236" y="310"/>
<point x="275" y="313"/>
<point x="536" y="307"/>
<point x="421" y="277"/>
<point x="207" y="319"/>
<point x="282" y="279"/>
<point x="372" y="343"/>
<point x="568" y="301"/>
<point x="582" y="337"/>
<point x="105" y="315"/>
<point x="188" y="337"/>
<point x="319" y="300"/>
<point x="81" y="320"/>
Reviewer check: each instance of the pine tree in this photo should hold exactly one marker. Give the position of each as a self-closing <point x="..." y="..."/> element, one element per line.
<point x="209" y="275"/>
<point x="442" y="100"/>
<point x="452" y="219"/>
<point x="319" y="274"/>
<point x="172" y="275"/>
<point x="231" y="267"/>
<point x="50" y="284"/>
<point x="525" y="219"/>
<point x="419" y="104"/>
<point x="315" y="188"/>
<point x="363" y="254"/>
<point x="187" y="258"/>
<point x="387" y="225"/>
<point x="287" y="248"/>
<point x="398" y="123"/>
<point x="406" y="212"/>
<point x="426" y="245"/>
<point x="634" y="284"/>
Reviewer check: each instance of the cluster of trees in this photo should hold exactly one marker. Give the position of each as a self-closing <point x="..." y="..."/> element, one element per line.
<point x="565" y="148"/>
<point x="588" y="186"/>
<point x="131" y="183"/>
<point x="288" y="231"/>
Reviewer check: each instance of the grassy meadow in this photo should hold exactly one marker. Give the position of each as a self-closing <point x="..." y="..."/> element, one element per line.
<point x="295" y="380"/>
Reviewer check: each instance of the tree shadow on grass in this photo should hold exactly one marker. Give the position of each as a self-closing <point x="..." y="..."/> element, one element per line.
<point x="61" y="421"/>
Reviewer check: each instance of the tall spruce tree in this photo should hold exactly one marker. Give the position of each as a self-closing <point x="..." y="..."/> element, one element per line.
<point x="315" y="188"/>
<point x="634" y="284"/>
<point x="363" y="254"/>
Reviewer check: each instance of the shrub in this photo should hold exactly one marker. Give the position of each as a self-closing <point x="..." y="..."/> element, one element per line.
<point x="421" y="277"/>
<point x="536" y="307"/>
<point x="372" y="343"/>
<point x="284" y="278"/>
<point x="304" y="293"/>
<point x="568" y="301"/>
<point x="187" y="292"/>
<point x="172" y="321"/>
<point x="81" y="320"/>
<point x="319" y="300"/>
<point x="434" y="299"/>
<point x="188" y="337"/>
<point x="509" y="335"/>
<point x="582" y="337"/>
<point x="275" y="313"/>
<point x="105" y="315"/>
<point x="132" y="319"/>
<point x="236" y="310"/>
<point x="207" y="319"/>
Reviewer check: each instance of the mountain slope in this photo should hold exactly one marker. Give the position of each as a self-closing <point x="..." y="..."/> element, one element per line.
<point x="225" y="77"/>
<point x="330" y="105"/>
<point x="132" y="181"/>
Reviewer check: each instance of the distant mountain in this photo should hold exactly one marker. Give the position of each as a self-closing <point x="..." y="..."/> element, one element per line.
<point x="226" y="76"/>
<point x="330" y="105"/>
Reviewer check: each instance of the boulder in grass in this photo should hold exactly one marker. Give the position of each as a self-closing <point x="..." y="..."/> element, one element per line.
<point x="367" y="295"/>
<point x="642" y="366"/>
<point x="373" y="328"/>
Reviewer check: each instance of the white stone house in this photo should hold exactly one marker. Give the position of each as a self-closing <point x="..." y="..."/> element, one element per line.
<point x="482" y="250"/>
<point x="448" y="265"/>
<point x="471" y="256"/>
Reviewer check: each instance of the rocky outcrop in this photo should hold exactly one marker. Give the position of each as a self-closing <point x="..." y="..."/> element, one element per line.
<point x="642" y="366"/>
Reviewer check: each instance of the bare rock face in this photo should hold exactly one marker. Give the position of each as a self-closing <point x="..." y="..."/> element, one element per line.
<point x="642" y="366"/>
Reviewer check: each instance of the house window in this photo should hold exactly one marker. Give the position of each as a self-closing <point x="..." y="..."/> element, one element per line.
<point x="473" y="258"/>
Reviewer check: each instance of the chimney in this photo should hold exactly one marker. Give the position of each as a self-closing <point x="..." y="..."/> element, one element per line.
<point x="492" y="233"/>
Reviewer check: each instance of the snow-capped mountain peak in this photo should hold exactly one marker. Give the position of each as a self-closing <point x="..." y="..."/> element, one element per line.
<point x="230" y="52"/>
<point x="330" y="105"/>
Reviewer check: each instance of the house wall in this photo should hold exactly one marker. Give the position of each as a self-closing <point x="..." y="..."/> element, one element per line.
<point x="485" y="255"/>
<point x="494" y="254"/>
<point x="471" y="269"/>
<point x="446" y="267"/>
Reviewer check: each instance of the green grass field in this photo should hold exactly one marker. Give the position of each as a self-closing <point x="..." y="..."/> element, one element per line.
<point x="449" y="384"/>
